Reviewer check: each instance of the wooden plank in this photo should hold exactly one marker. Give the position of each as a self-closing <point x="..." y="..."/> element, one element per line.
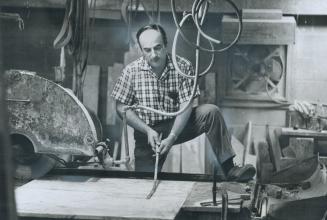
<point x="261" y="14"/>
<point x="111" y="104"/>
<point x="290" y="73"/>
<point x="294" y="7"/>
<point x="260" y="31"/>
<point x="91" y="88"/>
<point x="274" y="148"/>
<point x="100" y="198"/>
<point x="290" y="132"/>
<point x="113" y="74"/>
<point x="7" y="198"/>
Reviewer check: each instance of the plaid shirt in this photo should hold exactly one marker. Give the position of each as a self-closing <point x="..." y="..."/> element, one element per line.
<point x="139" y="85"/>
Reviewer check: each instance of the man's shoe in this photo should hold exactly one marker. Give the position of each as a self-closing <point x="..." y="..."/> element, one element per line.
<point x="241" y="174"/>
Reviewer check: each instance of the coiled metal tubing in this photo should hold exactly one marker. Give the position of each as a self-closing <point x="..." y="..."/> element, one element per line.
<point x="195" y="11"/>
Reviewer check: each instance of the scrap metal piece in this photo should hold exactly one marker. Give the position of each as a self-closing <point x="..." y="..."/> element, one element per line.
<point x="53" y="119"/>
<point x="274" y="169"/>
<point x="297" y="172"/>
<point x="311" y="208"/>
<point x="13" y="16"/>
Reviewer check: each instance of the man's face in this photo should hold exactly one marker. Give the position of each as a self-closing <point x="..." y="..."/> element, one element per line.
<point x="153" y="48"/>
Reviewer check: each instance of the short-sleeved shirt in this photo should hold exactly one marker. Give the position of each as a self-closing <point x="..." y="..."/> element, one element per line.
<point x="139" y="85"/>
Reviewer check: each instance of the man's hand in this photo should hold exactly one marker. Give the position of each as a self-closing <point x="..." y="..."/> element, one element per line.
<point x="153" y="138"/>
<point x="166" y="144"/>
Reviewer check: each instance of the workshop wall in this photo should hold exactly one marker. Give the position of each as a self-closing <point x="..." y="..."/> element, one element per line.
<point x="307" y="79"/>
<point x="31" y="49"/>
<point x="310" y="66"/>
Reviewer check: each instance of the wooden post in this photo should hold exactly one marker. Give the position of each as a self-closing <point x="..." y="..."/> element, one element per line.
<point x="7" y="198"/>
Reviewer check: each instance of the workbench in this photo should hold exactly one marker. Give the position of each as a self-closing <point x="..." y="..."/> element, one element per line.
<point x="94" y="198"/>
<point x="78" y="197"/>
<point x="304" y="133"/>
<point x="291" y="132"/>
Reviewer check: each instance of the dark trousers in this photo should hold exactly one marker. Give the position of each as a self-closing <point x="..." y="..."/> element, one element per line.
<point x="205" y="118"/>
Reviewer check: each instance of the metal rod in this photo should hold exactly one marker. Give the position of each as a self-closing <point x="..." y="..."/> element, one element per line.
<point x="133" y="174"/>
<point x="214" y="186"/>
<point x="18" y="100"/>
<point x="155" y="177"/>
<point x="224" y="208"/>
<point x="126" y="136"/>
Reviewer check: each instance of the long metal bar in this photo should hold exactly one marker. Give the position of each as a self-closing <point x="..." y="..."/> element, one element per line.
<point x="134" y="175"/>
<point x="155" y="178"/>
<point x="18" y="100"/>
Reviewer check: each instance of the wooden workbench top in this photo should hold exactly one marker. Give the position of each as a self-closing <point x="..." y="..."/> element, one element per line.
<point x="77" y="197"/>
<point x="291" y="132"/>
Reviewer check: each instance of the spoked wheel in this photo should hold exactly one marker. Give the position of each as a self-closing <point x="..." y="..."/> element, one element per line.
<point x="29" y="165"/>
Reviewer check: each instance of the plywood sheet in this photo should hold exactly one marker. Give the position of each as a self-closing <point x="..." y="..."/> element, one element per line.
<point x="91" y="88"/>
<point x="100" y="198"/>
<point x="113" y="74"/>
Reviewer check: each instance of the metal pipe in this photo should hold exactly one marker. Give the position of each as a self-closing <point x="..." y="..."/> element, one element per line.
<point x="197" y="4"/>
<point x="18" y="100"/>
<point x="173" y="54"/>
<point x="238" y="14"/>
<point x="214" y="186"/>
<point x="127" y="158"/>
<point x="224" y="208"/>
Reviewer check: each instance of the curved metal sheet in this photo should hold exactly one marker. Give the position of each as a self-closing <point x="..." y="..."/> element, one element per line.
<point x="49" y="115"/>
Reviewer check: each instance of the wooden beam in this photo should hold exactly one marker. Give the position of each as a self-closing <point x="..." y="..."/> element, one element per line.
<point x="293" y="7"/>
<point x="34" y="3"/>
<point x="260" y="31"/>
<point x="262" y="14"/>
<point x="113" y="74"/>
<point x="7" y="199"/>
<point x="290" y="132"/>
<point x="91" y="88"/>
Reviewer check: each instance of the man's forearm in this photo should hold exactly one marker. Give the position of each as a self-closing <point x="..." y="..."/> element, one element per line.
<point x="132" y="119"/>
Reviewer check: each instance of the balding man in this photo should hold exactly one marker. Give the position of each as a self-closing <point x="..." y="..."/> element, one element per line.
<point x="153" y="81"/>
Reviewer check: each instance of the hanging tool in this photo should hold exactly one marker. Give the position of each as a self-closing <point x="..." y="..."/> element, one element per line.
<point x="155" y="178"/>
<point x="13" y="16"/>
<point x="74" y="35"/>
